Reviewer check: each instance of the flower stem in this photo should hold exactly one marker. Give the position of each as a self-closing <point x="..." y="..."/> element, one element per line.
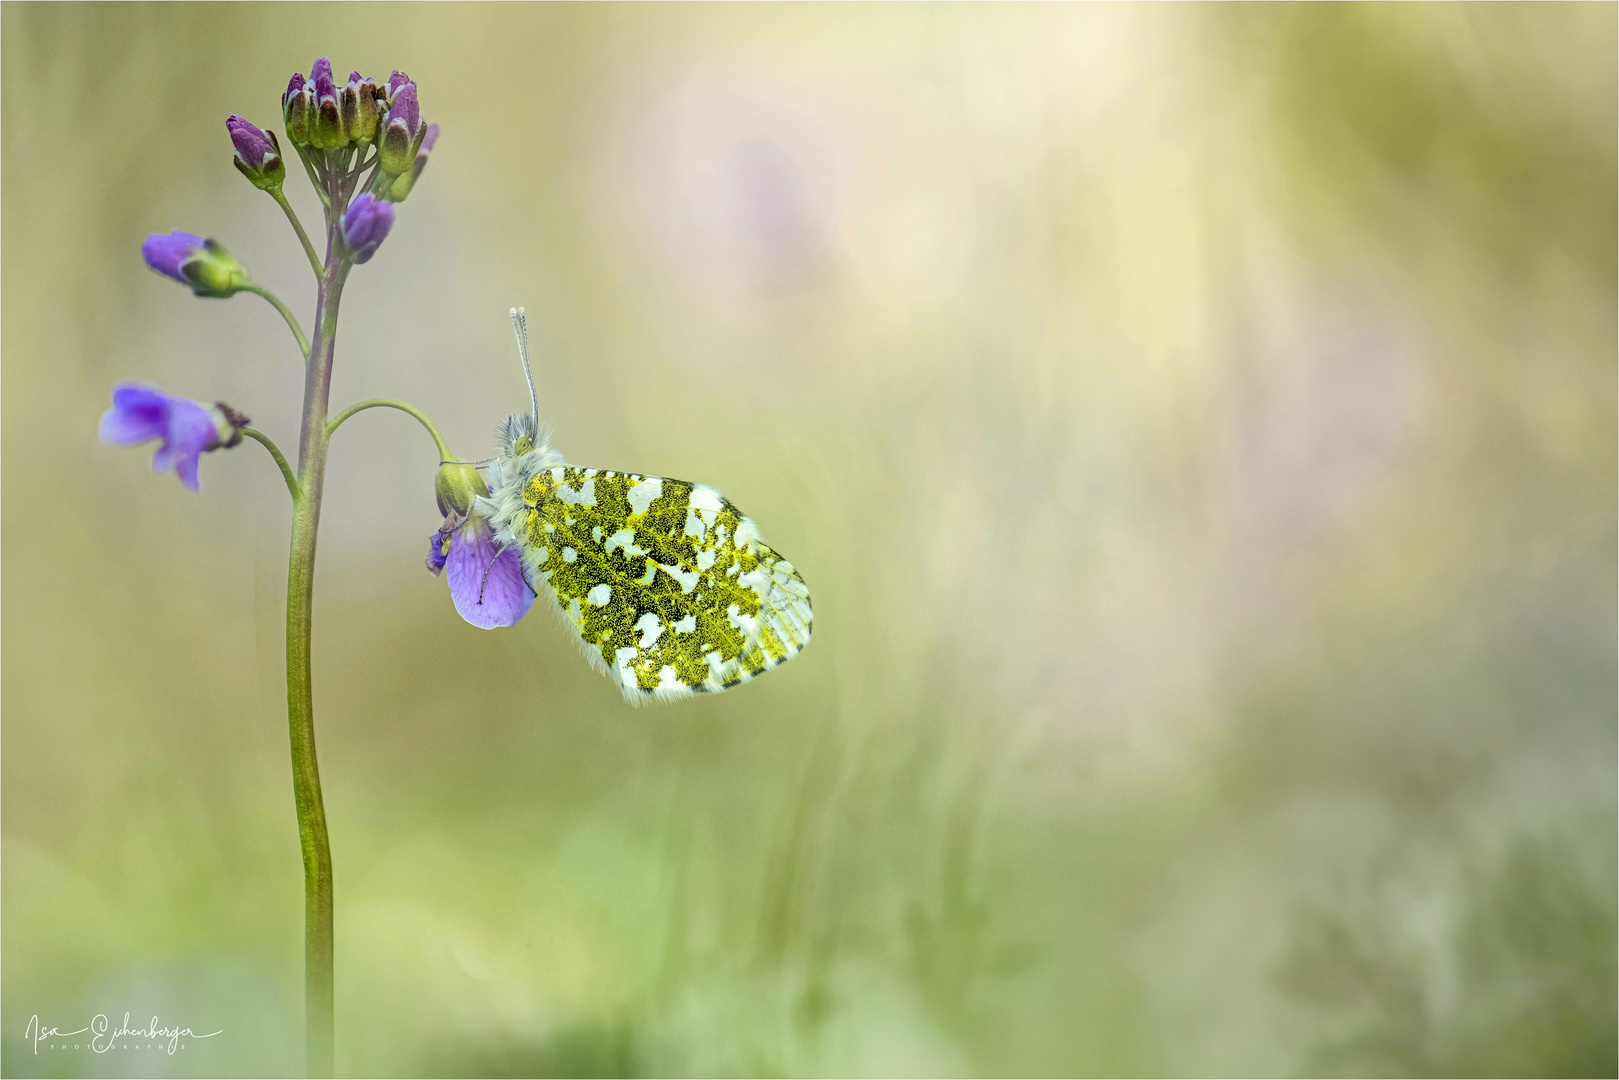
<point x="391" y="403"/>
<point x="317" y="181"/>
<point x="298" y="227"/>
<point x="280" y="459"/>
<point x="292" y="321"/>
<point x="312" y="836"/>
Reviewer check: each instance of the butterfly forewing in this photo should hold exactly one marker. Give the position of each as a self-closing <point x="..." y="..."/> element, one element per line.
<point x="667" y="582"/>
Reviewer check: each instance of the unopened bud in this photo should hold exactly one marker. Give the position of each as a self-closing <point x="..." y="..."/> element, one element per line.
<point x="456" y="485"/>
<point x="258" y="154"/>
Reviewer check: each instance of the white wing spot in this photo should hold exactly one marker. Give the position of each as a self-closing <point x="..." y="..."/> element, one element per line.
<point x="651" y="628"/>
<point x="625" y="539"/>
<point x="568" y="554"/>
<point x="643" y="493"/>
<point x="686" y="625"/>
<point x="585" y="496"/>
<point x="705" y="558"/>
<point x="600" y="594"/>
<point x="704" y="497"/>
<point x="687" y="578"/>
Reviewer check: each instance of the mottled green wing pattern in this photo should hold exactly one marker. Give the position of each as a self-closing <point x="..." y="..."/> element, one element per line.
<point x="667" y="582"/>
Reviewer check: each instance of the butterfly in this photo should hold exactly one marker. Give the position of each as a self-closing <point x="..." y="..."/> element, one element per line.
<point x="667" y="586"/>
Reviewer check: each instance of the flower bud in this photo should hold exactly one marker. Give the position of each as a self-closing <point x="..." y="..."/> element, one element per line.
<point x="402" y="131"/>
<point x="365" y="225"/>
<point x="456" y="485"/>
<point x="192" y="260"/>
<point x="258" y="154"/>
<point x="296" y="106"/>
<point x="360" y="111"/>
<point x="326" y="122"/>
<point x="401" y="187"/>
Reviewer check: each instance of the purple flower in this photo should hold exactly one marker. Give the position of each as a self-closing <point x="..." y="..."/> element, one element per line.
<point x="489" y="589"/>
<point x="195" y="261"/>
<point x="165" y="253"/>
<point x="141" y="413"/>
<point x="365" y="225"/>
<point x="438" y="550"/>
<point x="258" y="154"/>
<point x="402" y="130"/>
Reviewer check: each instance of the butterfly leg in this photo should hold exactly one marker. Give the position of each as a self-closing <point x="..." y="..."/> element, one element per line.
<point x="485" y="582"/>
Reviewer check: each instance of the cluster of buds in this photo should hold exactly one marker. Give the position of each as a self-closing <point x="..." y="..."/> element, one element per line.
<point x="321" y="116"/>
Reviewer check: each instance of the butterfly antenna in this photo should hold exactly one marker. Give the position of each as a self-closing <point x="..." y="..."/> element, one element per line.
<point x="520" y="328"/>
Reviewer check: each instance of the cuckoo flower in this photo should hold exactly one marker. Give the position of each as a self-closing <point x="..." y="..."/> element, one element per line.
<point x="195" y="261"/>
<point x="326" y="121"/>
<point x="402" y="129"/>
<point x="362" y="145"/>
<point x="401" y="186"/>
<point x="365" y="225"/>
<point x="295" y="107"/>
<point x="486" y="583"/>
<point x="361" y="108"/>
<point x="258" y="154"/>
<point x="141" y="413"/>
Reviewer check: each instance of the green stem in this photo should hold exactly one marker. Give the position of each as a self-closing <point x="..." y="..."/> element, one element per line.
<point x="317" y="856"/>
<point x="391" y="403"/>
<point x="319" y="185"/>
<point x="303" y="237"/>
<point x="280" y="459"/>
<point x="292" y="321"/>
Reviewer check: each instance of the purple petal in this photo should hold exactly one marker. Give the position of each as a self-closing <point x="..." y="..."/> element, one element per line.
<point x="406" y="109"/>
<point x="136" y="415"/>
<point x="395" y="81"/>
<point x="365" y="225"/>
<point x="436" y="555"/>
<point x="295" y="84"/>
<point x="498" y="600"/>
<point x="252" y="144"/>
<point x="320" y="67"/>
<point x="140" y="413"/>
<point x="325" y="88"/>
<point x="186" y="470"/>
<point x="165" y="253"/>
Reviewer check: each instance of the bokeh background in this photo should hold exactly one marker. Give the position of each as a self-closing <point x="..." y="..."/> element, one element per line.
<point x="1196" y="426"/>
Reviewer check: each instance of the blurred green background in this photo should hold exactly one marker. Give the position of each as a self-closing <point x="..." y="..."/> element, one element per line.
<point x="1196" y="426"/>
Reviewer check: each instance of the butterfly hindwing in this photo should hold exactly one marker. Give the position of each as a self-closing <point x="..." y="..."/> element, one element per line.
<point x="666" y="582"/>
